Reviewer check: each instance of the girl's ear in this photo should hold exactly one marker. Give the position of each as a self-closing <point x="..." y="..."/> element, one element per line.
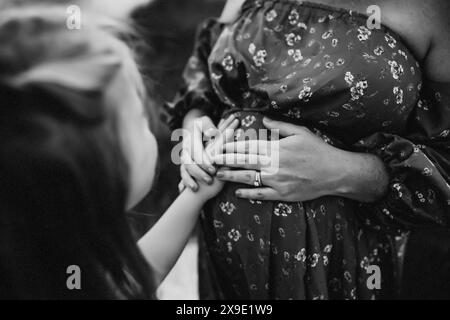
<point x="88" y="73"/>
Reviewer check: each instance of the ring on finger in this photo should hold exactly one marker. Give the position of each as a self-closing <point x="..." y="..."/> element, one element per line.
<point x="257" y="183"/>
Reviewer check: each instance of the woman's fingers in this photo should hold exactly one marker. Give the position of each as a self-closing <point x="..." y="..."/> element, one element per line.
<point x="187" y="179"/>
<point x="261" y="147"/>
<point x="264" y="194"/>
<point x="243" y="161"/>
<point x="237" y="176"/>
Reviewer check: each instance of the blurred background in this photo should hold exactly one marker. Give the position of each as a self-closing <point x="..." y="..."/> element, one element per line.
<point x="165" y="32"/>
<point x="167" y="28"/>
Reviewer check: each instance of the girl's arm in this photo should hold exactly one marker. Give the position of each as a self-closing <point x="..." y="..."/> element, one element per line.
<point x="163" y="244"/>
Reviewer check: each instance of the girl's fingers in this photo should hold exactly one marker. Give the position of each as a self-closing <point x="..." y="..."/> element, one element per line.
<point x="181" y="186"/>
<point x="225" y="123"/>
<point x="187" y="179"/>
<point x="198" y="174"/>
<point x="206" y="127"/>
<point x="229" y="132"/>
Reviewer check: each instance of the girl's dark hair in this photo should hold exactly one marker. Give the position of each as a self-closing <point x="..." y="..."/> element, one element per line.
<point x="63" y="177"/>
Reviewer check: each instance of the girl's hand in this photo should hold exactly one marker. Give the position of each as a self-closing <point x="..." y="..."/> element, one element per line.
<point x="196" y="164"/>
<point x="224" y="134"/>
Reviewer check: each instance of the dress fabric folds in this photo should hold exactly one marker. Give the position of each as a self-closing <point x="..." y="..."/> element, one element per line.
<point x="359" y="89"/>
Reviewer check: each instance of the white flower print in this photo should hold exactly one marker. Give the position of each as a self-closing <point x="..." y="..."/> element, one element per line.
<point x="428" y="172"/>
<point x="444" y="134"/>
<point x="301" y="255"/>
<point x="349" y="78"/>
<point x="248" y="121"/>
<point x="295" y="54"/>
<point x="305" y="93"/>
<point x="396" y="69"/>
<point x="228" y="63"/>
<point x="306" y="62"/>
<point x="398" y="93"/>
<point x="234" y="235"/>
<point x="257" y="219"/>
<point x="302" y="25"/>
<point x="227" y="207"/>
<point x="218" y="224"/>
<point x="378" y="50"/>
<point x="294" y="113"/>
<point x="282" y="209"/>
<point x="329" y="65"/>
<point x="250" y="236"/>
<point x="420" y="196"/>
<point x="328" y="248"/>
<point x="363" y="33"/>
<point x="260" y="58"/>
<point x="327" y="34"/>
<point x="357" y="91"/>
<point x="403" y="54"/>
<point x="365" y="263"/>
<point x="313" y="260"/>
<point x="256" y="201"/>
<point x="292" y="38"/>
<point x="340" y="62"/>
<point x="334" y="42"/>
<point x="348" y="276"/>
<point x="390" y="40"/>
<point x="293" y="17"/>
<point x="271" y="15"/>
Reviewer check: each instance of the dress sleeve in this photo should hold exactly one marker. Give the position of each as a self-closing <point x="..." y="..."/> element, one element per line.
<point x="418" y="164"/>
<point x="196" y="92"/>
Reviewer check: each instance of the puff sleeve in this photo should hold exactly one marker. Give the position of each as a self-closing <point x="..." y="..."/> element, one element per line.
<point x="418" y="164"/>
<point x="196" y="92"/>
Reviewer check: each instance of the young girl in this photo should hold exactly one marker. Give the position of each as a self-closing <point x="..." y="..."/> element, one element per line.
<point x="76" y="152"/>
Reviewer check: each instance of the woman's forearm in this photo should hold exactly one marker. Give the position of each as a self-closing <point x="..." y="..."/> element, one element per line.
<point x="163" y="244"/>
<point x="363" y="177"/>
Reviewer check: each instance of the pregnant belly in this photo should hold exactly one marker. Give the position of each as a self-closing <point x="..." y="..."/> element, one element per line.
<point x="248" y="241"/>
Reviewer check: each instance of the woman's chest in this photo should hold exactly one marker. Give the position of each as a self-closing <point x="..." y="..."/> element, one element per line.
<point x="317" y="65"/>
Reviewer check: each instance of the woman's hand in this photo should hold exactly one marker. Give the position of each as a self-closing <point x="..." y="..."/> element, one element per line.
<point x="307" y="168"/>
<point x="196" y="165"/>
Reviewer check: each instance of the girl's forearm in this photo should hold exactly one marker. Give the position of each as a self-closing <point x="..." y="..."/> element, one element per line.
<point x="163" y="244"/>
<point x="191" y="116"/>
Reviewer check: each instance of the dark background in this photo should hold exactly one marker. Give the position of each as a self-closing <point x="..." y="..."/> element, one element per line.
<point x="168" y="29"/>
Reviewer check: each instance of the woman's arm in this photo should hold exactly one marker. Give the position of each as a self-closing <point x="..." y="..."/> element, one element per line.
<point x="302" y="167"/>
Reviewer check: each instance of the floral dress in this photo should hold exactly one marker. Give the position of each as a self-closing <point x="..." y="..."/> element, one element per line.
<point x="359" y="89"/>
